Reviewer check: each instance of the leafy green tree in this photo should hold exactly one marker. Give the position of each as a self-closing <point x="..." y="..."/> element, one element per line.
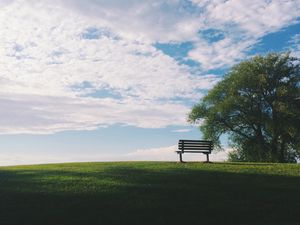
<point x="257" y="105"/>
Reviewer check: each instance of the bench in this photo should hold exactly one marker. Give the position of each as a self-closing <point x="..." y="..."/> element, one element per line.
<point x="194" y="146"/>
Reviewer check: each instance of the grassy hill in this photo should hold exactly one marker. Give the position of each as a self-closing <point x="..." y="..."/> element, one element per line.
<point x="150" y="193"/>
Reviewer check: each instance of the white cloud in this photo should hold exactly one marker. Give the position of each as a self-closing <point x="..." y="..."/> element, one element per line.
<point x="12" y="159"/>
<point x="157" y="154"/>
<point x="220" y="54"/>
<point x="147" y="20"/>
<point x="52" y="75"/>
<point x="253" y="17"/>
<point x="168" y="154"/>
<point x="295" y="45"/>
<point x="46" y="61"/>
<point x="243" y="23"/>
<point x="5" y="2"/>
<point x="152" y="154"/>
<point x="165" y="21"/>
<point x="40" y="114"/>
<point x="182" y="130"/>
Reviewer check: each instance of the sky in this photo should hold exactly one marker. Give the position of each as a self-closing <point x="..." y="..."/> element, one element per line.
<point x="114" y="80"/>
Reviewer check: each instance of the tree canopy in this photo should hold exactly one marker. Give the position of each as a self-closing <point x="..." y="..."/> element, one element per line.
<point x="257" y="105"/>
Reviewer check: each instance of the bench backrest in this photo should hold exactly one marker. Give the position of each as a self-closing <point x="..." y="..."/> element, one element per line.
<point x="195" y="146"/>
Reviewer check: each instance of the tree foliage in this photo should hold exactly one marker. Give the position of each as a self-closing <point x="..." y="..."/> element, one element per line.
<point x="258" y="105"/>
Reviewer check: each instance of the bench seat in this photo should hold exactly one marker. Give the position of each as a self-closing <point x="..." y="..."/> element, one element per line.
<point x="194" y="146"/>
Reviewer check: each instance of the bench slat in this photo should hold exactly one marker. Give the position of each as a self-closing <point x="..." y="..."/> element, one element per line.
<point x="178" y="151"/>
<point x="192" y="143"/>
<point x="200" y="149"/>
<point x="199" y="141"/>
<point x="195" y="146"/>
<point x="205" y="144"/>
<point x="197" y="152"/>
<point x="191" y="150"/>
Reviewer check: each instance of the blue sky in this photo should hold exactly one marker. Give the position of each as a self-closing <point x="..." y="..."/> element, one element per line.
<point x="114" y="80"/>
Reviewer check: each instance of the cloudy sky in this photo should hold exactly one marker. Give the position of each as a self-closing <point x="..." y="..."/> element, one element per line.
<point x="99" y="80"/>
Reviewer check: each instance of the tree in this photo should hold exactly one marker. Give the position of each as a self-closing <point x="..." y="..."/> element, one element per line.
<point x="257" y="105"/>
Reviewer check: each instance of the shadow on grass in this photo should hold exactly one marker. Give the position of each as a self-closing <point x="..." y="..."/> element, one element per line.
<point x="128" y="195"/>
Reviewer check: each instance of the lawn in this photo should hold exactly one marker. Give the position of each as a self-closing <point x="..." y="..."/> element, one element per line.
<point x="150" y="193"/>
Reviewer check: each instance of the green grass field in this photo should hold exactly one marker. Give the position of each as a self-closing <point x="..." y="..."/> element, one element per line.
<point x="150" y="193"/>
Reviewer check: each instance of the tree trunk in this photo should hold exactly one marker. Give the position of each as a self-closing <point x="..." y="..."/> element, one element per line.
<point x="274" y="149"/>
<point x="261" y="145"/>
<point x="282" y="151"/>
<point x="274" y="143"/>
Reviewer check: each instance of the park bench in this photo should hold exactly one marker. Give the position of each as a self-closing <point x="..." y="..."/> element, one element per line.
<point x="194" y="146"/>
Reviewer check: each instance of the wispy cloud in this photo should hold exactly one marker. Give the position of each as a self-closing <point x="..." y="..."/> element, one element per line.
<point x="48" y="48"/>
<point x="12" y="159"/>
<point x="168" y="154"/>
<point x="182" y="130"/>
<point x="151" y="154"/>
<point x="295" y="45"/>
<point x="243" y="24"/>
<point x="48" y="53"/>
<point x="45" y="114"/>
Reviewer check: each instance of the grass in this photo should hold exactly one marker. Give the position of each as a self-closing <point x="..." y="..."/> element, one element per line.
<point x="150" y="193"/>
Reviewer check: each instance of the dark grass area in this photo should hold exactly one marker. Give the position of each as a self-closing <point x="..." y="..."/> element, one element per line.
<point x="150" y="193"/>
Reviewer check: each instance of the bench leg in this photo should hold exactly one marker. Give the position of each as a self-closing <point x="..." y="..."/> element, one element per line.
<point x="207" y="157"/>
<point x="180" y="157"/>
